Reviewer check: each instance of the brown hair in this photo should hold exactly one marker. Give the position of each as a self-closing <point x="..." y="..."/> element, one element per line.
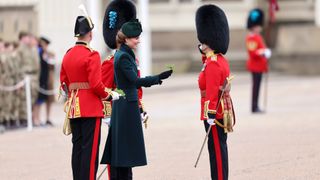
<point x="15" y="45"/>
<point x="7" y="44"/>
<point x="22" y="34"/>
<point x="121" y="38"/>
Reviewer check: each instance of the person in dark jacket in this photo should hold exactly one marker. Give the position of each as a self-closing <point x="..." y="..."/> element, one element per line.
<point x="125" y="143"/>
<point x="116" y="14"/>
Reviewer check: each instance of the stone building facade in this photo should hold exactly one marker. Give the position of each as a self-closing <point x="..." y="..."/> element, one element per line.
<point x="295" y="35"/>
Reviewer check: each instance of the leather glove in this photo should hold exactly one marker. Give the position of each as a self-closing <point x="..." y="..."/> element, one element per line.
<point x="115" y="95"/>
<point x="200" y="49"/>
<point x="165" y="74"/>
<point x="107" y="121"/>
<point x="211" y="122"/>
<point x="144" y="117"/>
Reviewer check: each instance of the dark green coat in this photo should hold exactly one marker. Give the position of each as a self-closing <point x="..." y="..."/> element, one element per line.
<point x="125" y="142"/>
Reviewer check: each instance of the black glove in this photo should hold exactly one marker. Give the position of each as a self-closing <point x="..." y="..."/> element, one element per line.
<point x="200" y="50"/>
<point x="165" y="74"/>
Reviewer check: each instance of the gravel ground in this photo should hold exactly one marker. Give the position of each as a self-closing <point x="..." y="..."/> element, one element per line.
<point x="282" y="143"/>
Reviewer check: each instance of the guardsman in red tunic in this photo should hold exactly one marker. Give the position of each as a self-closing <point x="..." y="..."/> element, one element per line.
<point x="258" y="54"/>
<point x="81" y="76"/>
<point x="216" y="105"/>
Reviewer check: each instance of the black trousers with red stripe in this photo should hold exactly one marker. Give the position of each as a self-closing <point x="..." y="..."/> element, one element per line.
<point x="256" y="79"/>
<point x="218" y="152"/>
<point x="85" y="150"/>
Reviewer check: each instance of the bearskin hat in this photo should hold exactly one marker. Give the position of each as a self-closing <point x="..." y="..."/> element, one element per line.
<point x="117" y="13"/>
<point x="255" y="18"/>
<point x="212" y="28"/>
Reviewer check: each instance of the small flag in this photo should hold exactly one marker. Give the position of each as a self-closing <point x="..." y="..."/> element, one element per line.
<point x="273" y="7"/>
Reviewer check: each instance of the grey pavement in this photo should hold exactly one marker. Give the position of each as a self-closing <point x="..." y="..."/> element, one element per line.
<point x="281" y="144"/>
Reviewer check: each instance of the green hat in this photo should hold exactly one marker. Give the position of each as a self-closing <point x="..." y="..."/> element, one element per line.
<point x="132" y="28"/>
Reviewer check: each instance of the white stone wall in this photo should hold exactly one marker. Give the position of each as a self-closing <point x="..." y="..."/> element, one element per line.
<point x="317" y="13"/>
<point x="18" y="2"/>
<point x="174" y="16"/>
<point x="56" y="20"/>
<point x="56" y="17"/>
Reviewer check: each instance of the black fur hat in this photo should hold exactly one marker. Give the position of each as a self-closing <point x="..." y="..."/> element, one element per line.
<point x="212" y="28"/>
<point x="255" y="18"/>
<point x="117" y="13"/>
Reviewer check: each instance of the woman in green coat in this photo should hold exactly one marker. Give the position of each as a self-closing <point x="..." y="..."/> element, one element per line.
<point x="125" y="148"/>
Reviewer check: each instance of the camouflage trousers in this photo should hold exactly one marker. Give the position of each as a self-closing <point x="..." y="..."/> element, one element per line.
<point x="6" y="98"/>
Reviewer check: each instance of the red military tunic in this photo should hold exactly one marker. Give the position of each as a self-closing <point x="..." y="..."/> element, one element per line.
<point x="256" y="62"/>
<point x="211" y="79"/>
<point x="81" y="72"/>
<point x="108" y="73"/>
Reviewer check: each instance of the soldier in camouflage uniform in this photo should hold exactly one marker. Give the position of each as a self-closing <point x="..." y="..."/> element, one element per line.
<point x="9" y="111"/>
<point x="28" y="59"/>
<point x="34" y="68"/>
<point x="16" y="76"/>
<point x="8" y="81"/>
<point x="13" y="74"/>
<point x="2" y="93"/>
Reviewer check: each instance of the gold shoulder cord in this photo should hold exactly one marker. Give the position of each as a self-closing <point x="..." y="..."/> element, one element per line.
<point x="227" y="116"/>
<point x="66" y="125"/>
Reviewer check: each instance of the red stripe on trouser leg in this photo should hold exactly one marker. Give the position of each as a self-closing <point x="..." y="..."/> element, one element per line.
<point x="95" y="147"/>
<point x="217" y="149"/>
<point x="109" y="172"/>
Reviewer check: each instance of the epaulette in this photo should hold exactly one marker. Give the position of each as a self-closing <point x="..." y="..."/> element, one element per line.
<point x="88" y="47"/>
<point x="109" y="57"/>
<point x="68" y="50"/>
<point x="212" y="56"/>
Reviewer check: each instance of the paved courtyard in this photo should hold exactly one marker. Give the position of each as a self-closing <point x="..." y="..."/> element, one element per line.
<point x="282" y="144"/>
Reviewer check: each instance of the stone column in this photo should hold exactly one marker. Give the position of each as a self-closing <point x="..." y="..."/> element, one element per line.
<point x="317" y="13"/>
<point x="145" y="56"/>
<point x="95" y="12"/>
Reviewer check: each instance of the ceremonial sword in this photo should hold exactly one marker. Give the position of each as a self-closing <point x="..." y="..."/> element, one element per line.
<point x="225" y="84"/>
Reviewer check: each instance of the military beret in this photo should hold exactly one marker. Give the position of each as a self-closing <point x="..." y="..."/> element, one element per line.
<point x="132" y="28"/>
